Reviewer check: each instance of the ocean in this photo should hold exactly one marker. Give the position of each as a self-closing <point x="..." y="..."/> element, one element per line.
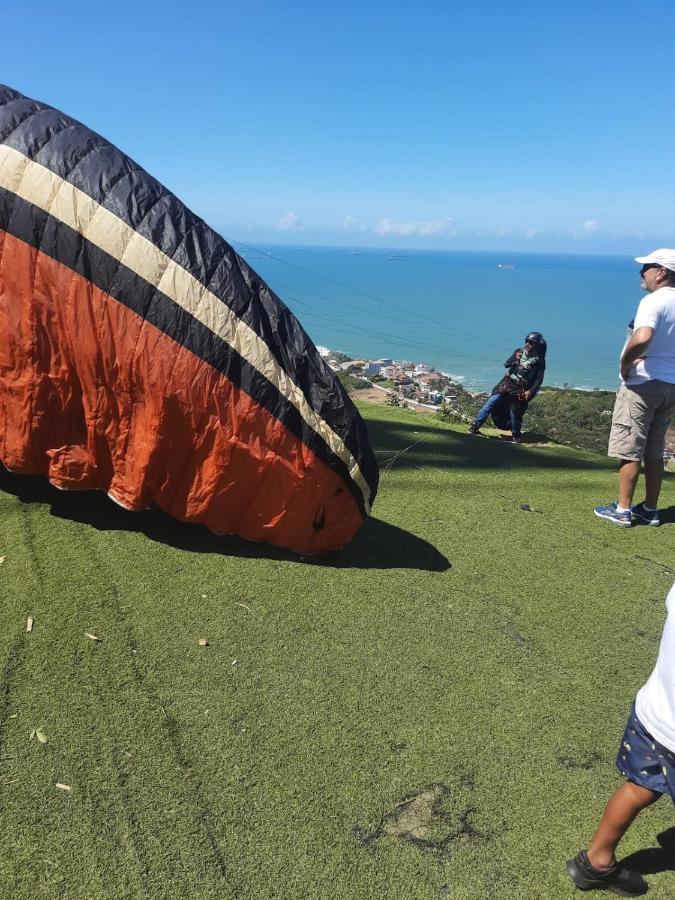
<point x="461" y="312"/>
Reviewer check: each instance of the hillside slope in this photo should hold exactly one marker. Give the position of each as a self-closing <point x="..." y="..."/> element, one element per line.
<point x="434" y="712"/>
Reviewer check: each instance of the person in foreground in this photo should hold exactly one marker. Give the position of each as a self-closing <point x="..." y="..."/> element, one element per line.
<point x="646" y="399"/>
<point x="510" y="398"/>
<point x="646" y="759"/>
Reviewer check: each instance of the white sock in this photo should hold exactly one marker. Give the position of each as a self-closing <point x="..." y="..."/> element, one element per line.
<point x="620" y="509"/>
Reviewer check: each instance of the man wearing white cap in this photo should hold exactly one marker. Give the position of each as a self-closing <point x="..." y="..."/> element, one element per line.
<point x="646" y="399"/>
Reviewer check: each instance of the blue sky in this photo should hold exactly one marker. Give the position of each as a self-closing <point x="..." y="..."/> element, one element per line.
<point x="476" y="125"/>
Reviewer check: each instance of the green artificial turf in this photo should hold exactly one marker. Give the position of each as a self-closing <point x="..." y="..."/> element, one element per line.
<point x="431" y="713"/>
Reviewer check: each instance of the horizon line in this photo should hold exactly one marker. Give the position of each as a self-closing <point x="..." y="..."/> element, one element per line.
<point x="446" y="250"/>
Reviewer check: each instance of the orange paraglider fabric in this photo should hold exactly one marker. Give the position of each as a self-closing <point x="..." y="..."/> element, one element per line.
<point x="93" y="413"/>
<point x="142" y="356"/>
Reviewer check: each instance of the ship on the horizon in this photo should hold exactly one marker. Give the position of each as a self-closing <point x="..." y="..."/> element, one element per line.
<point x="506" y="266"/>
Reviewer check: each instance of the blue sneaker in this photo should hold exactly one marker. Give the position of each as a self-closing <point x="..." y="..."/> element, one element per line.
<point x="646" y="516"/>
<point x="610" y="513"/>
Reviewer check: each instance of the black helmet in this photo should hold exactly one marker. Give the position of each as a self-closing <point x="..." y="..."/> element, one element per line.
<point x="534" y="337"/>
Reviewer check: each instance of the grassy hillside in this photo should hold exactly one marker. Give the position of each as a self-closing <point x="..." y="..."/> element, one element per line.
<point x="579" y="418"/>
<point x="432" y="713"/>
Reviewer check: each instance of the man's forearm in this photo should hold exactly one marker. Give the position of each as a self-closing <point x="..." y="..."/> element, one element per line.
<point x="633" y="352"/>
<point x="635" y="348"/>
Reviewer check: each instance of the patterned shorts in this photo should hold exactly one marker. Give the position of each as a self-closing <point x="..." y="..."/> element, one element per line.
<point x="644" y="761"/>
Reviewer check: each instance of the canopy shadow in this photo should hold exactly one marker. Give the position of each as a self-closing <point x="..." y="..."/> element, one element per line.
<point x="378" y="545"/>
<point x="441" y="447"/>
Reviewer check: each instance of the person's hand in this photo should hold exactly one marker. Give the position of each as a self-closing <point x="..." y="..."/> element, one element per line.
<point x="626" y="367"/>
<point x="527" y="394"/>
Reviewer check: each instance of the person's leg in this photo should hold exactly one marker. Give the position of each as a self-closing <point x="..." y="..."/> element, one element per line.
<point x="656" y="443"/>
<point x="629" y="472"/>
<point x="516" y="411"/>
<point x="622" y="808"/>
<point x="631" y="421"/>
<point x="649" y="774"/>
<point x="653" y="480"/>
<point x="486" y="409"/>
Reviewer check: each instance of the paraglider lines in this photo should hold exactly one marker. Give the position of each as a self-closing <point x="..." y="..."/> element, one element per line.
<point x="388" y="303"/>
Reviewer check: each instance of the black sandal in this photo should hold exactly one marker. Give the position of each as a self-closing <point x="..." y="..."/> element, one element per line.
<point x="616" y="878"/>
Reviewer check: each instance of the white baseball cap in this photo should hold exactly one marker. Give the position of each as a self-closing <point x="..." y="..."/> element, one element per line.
<point x="663" y="257"/>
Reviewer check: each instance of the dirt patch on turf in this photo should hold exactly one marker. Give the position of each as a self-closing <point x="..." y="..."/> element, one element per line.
<point x="518" y="639"/>
<point x="430" y="819"/>
<point x="587" y="762"/>
<point x="372" y="395"/>
<point x="416" y="818"/>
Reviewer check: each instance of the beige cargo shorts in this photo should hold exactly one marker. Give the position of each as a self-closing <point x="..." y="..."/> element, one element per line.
<point x="642" y="414"/>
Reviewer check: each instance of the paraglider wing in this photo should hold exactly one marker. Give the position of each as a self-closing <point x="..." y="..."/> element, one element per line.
<point x="142" y="356"/>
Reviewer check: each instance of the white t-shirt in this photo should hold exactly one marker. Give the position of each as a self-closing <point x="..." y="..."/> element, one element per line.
<point x="657" y="311"/>
<point x="655" y="702"/>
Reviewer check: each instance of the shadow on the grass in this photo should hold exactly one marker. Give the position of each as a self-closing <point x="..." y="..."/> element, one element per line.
<point x="377" y="545"/>
<point x="528" y="437"/>
<point x="443" y="448"/>
<point x="654" y="859"/>
<point x="666" y="515"/>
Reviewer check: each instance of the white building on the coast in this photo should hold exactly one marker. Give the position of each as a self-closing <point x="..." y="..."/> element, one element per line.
<point x="388" y="372"/>
<point x="375" y="366"/>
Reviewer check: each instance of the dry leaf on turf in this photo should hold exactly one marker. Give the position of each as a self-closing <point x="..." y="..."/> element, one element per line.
<point x="30" y="621"/>
<point x="92" y="637"/>
<point x="63" y="787"/>
<point x="203" y="642"/>
<point x="2" y="559"/>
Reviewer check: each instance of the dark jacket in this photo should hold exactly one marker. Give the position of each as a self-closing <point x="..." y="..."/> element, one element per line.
<point x="518" y="379"/>
<point x="522" y="376"/>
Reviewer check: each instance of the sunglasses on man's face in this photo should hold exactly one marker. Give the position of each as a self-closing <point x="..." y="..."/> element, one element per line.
<point x="650" y="266"/>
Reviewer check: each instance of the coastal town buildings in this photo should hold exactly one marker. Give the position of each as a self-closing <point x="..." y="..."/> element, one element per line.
<point x="414" y="381"/>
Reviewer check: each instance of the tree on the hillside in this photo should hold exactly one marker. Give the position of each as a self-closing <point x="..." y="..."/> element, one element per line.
<point x="352" y="383"/>
<point x="396" y="400"/>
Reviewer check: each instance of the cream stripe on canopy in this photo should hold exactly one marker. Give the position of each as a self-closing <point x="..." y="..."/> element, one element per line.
<point x="43" y="188"/>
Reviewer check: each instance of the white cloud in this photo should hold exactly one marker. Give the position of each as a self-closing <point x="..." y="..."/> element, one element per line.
<point x="423" y="228"/>
<point x="585" y="229"/>
<point x="290" y="222"/>
<point x="531" y="232"/>
<point x="349" y="223"/>
<point x="489" y="232"/>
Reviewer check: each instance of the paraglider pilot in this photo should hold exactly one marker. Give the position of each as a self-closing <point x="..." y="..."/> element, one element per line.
<point x="509" y="399"/>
